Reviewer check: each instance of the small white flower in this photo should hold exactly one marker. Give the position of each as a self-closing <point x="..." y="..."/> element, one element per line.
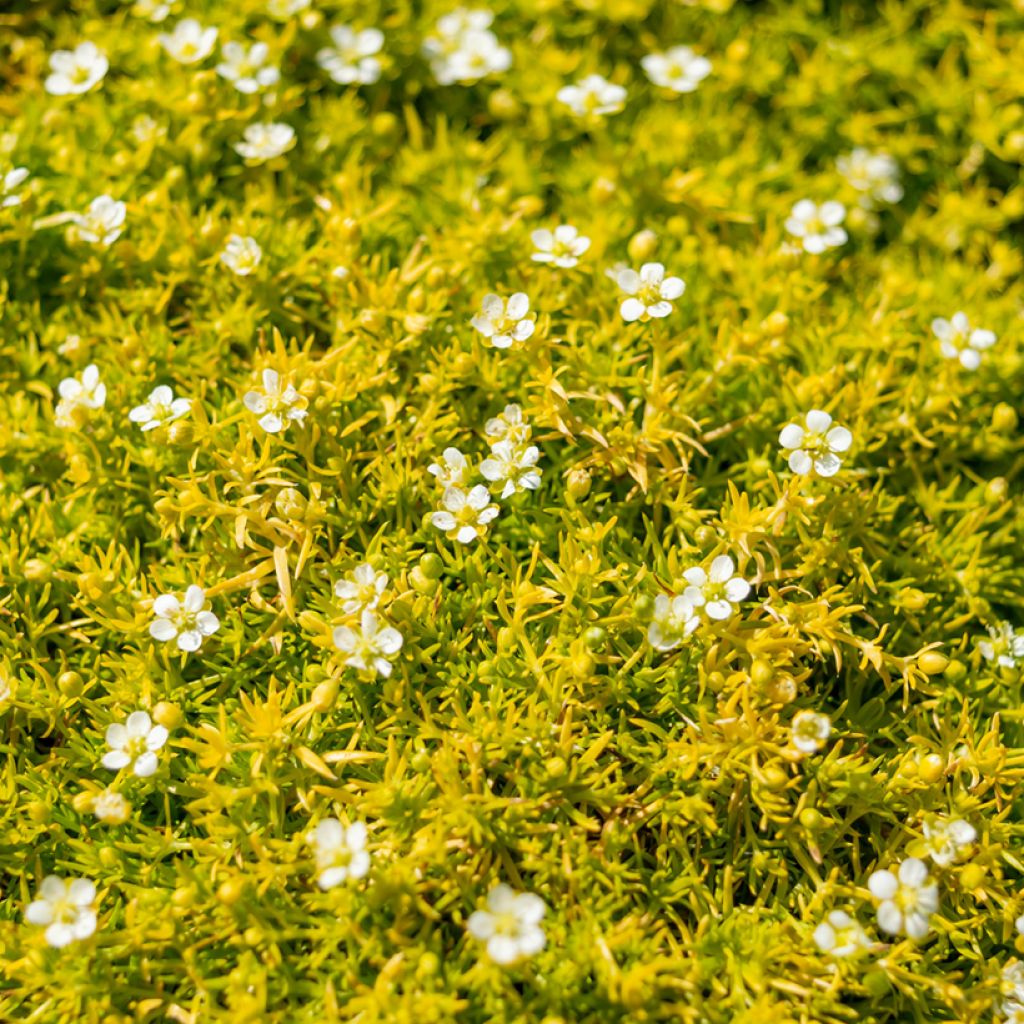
<point x="276" y="407"/>
<point x="562" y="247"/>
<point x="111" y="807"/>
<point x="817" y="445"/>
<point x="152" y="10"/>
<point x="282" y="10"/>
<point x="674" y="620"/>
<point x="592" y="96"/>
<point x="464" y="515"/>
<point x="241" y="255"/>
<point x="76" y="71"/>
<point x="651" y="292"/>
<point x="352" y="59"/>
<point x="717" y="591"/>
<point x="875" y="175"/>
<point x="189" y="43"/>
<point x="1006" y="648"/>
<point x="369" y="647"/>
<point x="818" y="227"/>
<point x="841" y="936"/>
<point x="102" y="223"/>
<point x="958" y="340"/>
<point x="809" y="731"/>
<point x="503" y="323"/>
<point x="266" y="141"/>
<point x="79" y="397"/>
<point x="159" y="409"/>
<point x="65" y="908"/>
<point x="134" y="744"/>
<point x="906" y="900"/>
<point x="340" y="852"/>
<point x="247" y="70"/>
<point x="8" y="183"/>
<point x="361" y="589"/>
<point x="463" y="49"/>
<point x="678" y="69"/>
<point x="509" y="426"/>
<point x="948" y="839"/>
<point x="452" y="469"/>
<point x="512" y="465"/>
<point x="510" y="925"/>
<point x="185" y="621"/>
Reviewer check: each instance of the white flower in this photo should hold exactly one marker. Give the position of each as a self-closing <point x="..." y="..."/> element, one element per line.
<point x="241" y="255"/>
<point x="185" y="621"/>
<point x="948" y="839"/>
<point x="79" y="397"/>
<point x="464" y="515"/>
<point x="510" y="925"/>
<point x="369" y="648"/>
<point x="248" y="69"/>
<point x="503" y="323"/>
<point x="361" y="588"/>
<point x="1006" y="648"/>
<point x="509" y="426"/>
<point x="875" y="175"/>
<point x="457" y="23"/>
<point x="464" y="50"/>
<point x="809" y="730"/>
<point x="282" y="10"/>
<point x="841" y="936"/>
<point x="8" y="183"/>
<point x="452" y="469"/>
<point x="717" y="590"/>
<point x="134" y="744"/>
<point x="276" y="407"/>
<point x="593" y="96"/>
<point x="340" y="852"/>
<point x="111" y="807"/>
<point x="906" y="900"/>
<point x="649" y="290"/>
<point x="352" y="59"/>
<point x="159" y="409"/>
<point x="76" y="71"/>
<point x="65" y="908"/>
<point x="152" y="10"/>
<point x="678" y="69"/>
<point x="817" y="445"/>
<point x="674" y="620"/>
<point x="958" y="340"/>
<point x="818" y="227"/>
<point x="189" y="43"/>
<point x="512" y="465"/>
<point x="102" y="223"/>
<point x="265" y="141"/>
<point x="563" y="247"/>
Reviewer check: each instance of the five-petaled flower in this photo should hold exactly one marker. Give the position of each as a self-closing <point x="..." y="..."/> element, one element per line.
<point x="817" y="445"/>
<point x="361" y="588"/>
<point x="593" y="96"/>
<point x="241" y="255"/>
<point x="947" y="840"/>
<point x="841" y="936"/>
<point x="906" y="899"/>
<point x="510" y="926"/>
<point x="247" y="70"/>
<point x="189" y="43"/>
<point x="876" y="176"/>
<point x="159" y="409"/>
<point x="674" y="619"/>
<point x="64" y="907"/>
<point x="76" y="71"/>
<point x="79" y="397"/>
<point x="464" y="515"/>
<point x="369" y="648"/>
<point x="452" y="469"/>
<point x="809" y="731"/>
<point x="102" y="223"/>
<point x="340" y="852"/>
<point x="510" y="425"/>
<point x="818" y="227"/>
<point x="958" y="340"/>
<point x="265" y="141"/>
<point x="464" y="49"/>
<point x="111" y="807"/>
<point x="562" y="247"/>
<point x="275" y="405"/>
<point x="1005" y="646"/>
<point x="650" y="292"/>
<point x="134" y="744"/>
<point x="512" y="465"/>
<point x="352" y="57"/>
<point x="186" y="621"/>
<point x="503" y="323"/>
<point x="678" y="69"/>
<point x="716" y="591"/>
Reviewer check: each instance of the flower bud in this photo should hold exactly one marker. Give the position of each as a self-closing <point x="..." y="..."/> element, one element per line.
<point x="642" y="246"/>
<point x="168" y="715"/>
<point x="70" y="684"/>
<point x="578" y="483"/>
<point x="932" y="662"/>
<point x="37" y="570"/>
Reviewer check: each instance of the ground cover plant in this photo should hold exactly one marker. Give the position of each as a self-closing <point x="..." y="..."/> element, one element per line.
<point x="511" y="514"/>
